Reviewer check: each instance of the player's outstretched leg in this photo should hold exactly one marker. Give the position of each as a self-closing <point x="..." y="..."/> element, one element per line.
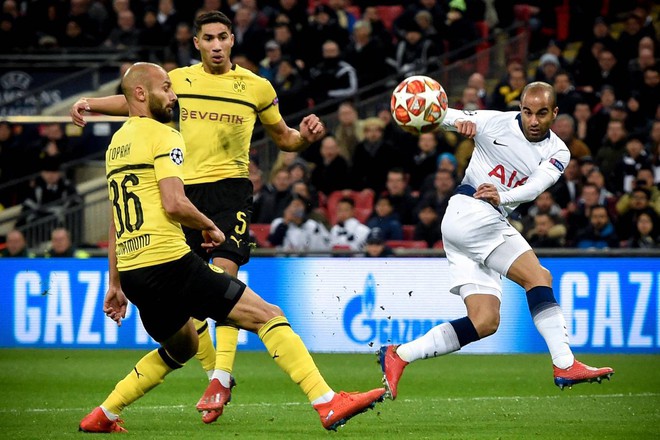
<point x="579" y="373"/>
<point x="392" y="366"/>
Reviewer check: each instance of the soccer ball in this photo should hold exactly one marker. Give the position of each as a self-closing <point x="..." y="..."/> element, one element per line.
<point x="418" y="104"/>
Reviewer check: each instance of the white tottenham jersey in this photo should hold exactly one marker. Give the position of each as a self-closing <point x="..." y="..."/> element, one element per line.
<point x="519" y="169"/>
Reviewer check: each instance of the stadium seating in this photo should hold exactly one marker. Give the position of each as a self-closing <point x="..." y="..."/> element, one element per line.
<point x="260" y="233"/>
<point x="407" y="244"/>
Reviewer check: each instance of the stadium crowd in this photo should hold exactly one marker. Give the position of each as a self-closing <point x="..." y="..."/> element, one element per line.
<point x="368" y="183"/>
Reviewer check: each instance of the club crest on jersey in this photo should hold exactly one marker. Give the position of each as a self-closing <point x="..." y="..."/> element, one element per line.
<point x="239" y="86"/>
<point x="176" y="155"/>
<point x="557" y="164"/>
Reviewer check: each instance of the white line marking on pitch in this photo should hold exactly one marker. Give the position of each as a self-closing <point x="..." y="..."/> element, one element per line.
<point x="139" y="407"/>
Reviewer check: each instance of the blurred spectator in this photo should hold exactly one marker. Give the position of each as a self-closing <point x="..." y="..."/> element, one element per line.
<point x="182" y="49"/>
<point x="284" y="160"/>
<point x="400" y="196"/>
<point x="548" y="67"/>
<point x="300" y="188"/>
<point x="276" y="197"/>
<point x="648" y="94"/>
<point x="612" y="148"/>
<point x="586" y="129"/>
<point x="425" y="160"/>
<point x="586" y="63"/>
<point x="268" y="66"/>
<point x="373" y="157"/>
<point x="350" y="130"/>
<point x="438" y="197"/>
<point x="74" y="36"/>
<point x="243" y="61"/>
<point x="345" y="19"/>
<point x="507" y="96"/>
<point x="367" y="55"/>
<point x="605" y="197"/>
<point x="625" y="170"/>
<point x="10" y="164"/>
<point x="249" y="36"/>
<point x="415" y="54"/>
<point x="51" y="195"/>
<point x="53" y="142"/>
<point x="331" y="174"/>
<point x="629" y="37"/>
<point x="79" y="10"/>
<point x="430" y="31"/>
<point x="125" y="34"/>
<point x="385" y="221"/>
<point x="291" y="87"/>
<point x="61" y="246"/>
<point x="323" y="26"/>
<point x="644" y="180"/>
<point x="294" y="231"/>
<point x="646" y="234"/>
<point x="290" y="47"/>
<point x="433" y="7"/>
<point x="567" y="96"/>
<point x="639" y="204"/>
<point x="152" y="36"/>
<point x="611" y="72"/>
<point x="15" y="246"/>
<point x="332" y="78"/>
<point x="470" y="100"/>
<point x="167" y="16"/>
<point x="294" y="11"/>
<point x="478" y="82"/>
<point x="564" y="128"/>
<point x="567" y="189"/>
<point x="375" y="247"/>
<point x="600" y="233"/>
<point x="654" y="147"/>
<point x="636" y="66"/>
<point x="577" y="216"/>
<point x="543" y="204"/>
<point x="427" y="227"/>
<point x="461" y="32"/>
<point x="348" y="232"/>
<point x="378" y="29"/>
<point x="546" y="233"/>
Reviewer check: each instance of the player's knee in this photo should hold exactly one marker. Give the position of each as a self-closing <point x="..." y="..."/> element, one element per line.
<point x="486" y="323"/>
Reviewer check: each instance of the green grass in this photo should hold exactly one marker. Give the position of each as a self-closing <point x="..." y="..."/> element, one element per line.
<point x="45" y="393"/>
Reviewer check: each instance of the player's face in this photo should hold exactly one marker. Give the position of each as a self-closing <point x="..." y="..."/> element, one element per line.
<point x="537" y="115"/>
<point x="162" y="98"/>
<point x="214" y="42"/>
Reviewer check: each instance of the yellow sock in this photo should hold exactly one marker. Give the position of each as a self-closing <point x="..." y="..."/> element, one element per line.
<point x="226" y="339"/>
<point x="206" y="351"/>
<point x="291" y="355"/>
<point x="147" y="373"/>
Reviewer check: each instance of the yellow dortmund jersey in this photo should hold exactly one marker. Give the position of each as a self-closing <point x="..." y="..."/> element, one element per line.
<point x="142" y="152"/>
<point x="217" y="114"/>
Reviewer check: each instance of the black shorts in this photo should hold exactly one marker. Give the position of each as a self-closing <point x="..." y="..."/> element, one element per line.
<point x="228" y="203"/>
<point x="168" y="294"/>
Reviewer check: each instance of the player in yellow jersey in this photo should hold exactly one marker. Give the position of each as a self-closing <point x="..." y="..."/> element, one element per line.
<point x="219" y="106"/>
<point x="152" y="265"/>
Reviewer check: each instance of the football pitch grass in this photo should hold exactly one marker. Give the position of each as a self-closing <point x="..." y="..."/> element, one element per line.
<point x="45" y="393"/>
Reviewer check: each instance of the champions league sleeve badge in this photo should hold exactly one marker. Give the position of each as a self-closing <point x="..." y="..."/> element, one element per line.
<point x="176" y="155"/>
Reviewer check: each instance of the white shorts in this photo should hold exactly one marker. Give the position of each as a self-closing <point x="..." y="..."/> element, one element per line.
<point x="472" y="230"/>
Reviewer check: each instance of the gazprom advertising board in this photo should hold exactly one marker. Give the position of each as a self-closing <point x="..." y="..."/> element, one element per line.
<point x="347" y="304"/>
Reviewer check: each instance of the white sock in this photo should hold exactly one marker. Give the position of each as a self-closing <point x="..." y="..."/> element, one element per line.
<point x="327" y="397"/>
<point x="223" y="376"/>
<point x="552" y="326"/>
<point x="109" y="415"/>
<point x="441" y="339"/>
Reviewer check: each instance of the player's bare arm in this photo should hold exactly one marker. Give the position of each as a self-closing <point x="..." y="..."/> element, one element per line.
<point x="114" y="305"/>
<point x="466" y="128"/>
<point x="115" y="105"/>
<point x="488" y="193"/>
<point x="180" y="208"/>
<point x="290" y="139"/>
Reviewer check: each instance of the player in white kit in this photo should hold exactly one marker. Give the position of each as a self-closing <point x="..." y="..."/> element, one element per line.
<point x="516" y="157"/>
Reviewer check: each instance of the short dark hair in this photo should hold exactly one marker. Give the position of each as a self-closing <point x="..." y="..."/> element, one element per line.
<point x="348" y="200"/>
<point x="212" y="17"/>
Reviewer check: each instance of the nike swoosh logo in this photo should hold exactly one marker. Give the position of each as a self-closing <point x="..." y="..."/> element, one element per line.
<point x="497" y="143"/>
